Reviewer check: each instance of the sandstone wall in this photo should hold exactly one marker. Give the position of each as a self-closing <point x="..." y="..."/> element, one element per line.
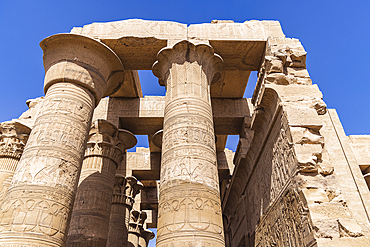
<point x="297" y="182"/>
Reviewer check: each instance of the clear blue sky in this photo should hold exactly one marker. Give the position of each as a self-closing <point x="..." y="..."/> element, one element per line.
<point x="335" y="34"/>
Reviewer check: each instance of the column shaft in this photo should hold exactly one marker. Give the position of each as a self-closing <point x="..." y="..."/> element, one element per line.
<point x="91" y="211"/>
<point x="125" y="190"/>
<point x="13" y="138"/>
<point x="189" y="200"/>
<point x="41" y="196"/>
<point x="118" y="230"/>
<point x="38" y="205"/>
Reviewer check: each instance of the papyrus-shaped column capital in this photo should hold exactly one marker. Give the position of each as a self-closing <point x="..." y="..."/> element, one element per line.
<point x="137" y="220"/>
<point x="13" y="138"/>
<point x="107" y="141"/>
<point x="185" y="52"/>
<point x="84" y="61"/>
<point x="106" y="146"/>
<point x="125" y="190"/>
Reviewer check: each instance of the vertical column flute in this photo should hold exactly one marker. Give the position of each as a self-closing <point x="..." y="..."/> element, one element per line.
<point x="91" y="212"/>
<point x="189" y="200"/>
<point x="38" y="205"/>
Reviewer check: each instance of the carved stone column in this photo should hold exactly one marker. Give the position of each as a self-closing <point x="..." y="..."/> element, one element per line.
<point x="125" y="190"/>
<point x="38" y="205"/>
<point x="13" y="138"/>
<point x="137" y="220"/>
<point x="91" y="211"/>
<point x="145" y="236"/>
<point x="189" y="198"/>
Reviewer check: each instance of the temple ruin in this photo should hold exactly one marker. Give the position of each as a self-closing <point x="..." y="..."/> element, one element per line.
<point x="295" y="179"/>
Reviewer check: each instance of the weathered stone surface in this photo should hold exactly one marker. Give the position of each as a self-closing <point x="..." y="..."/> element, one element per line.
<point x="28" y="117"/>
<point x="131" y="87"/>
<point x="124" y="192"/>
<point x="79" y="71"/>
<point x="296" y="179"/>
<point x="91" y="212"/>
<point x="13" y="138"/>
<point x="145" y="115"/>
<point x="189" y="192"/>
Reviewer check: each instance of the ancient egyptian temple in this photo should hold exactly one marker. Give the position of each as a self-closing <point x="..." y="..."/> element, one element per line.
<point x="294" y="180"/>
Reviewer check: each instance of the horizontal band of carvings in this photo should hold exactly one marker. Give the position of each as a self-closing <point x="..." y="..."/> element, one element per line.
<point x="123" y="199"/>
<point x="105" y="140"/>
<point x="125" y="189"/>
<point x="10" y="155"/>
<point x="75" y="110"/>
<point x="104" y="149"/>
<point x="201" y="152"/>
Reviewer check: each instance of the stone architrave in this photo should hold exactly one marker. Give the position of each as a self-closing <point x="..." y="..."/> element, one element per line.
<point x="91" y="212"/>
<point x="124" y="192"/>
<point x="13" y="138"/>
<point x="137" y="220"/>
<point x="189" y="208"/>
<point x="38" y="205"/>
<point x="145" y="236"/>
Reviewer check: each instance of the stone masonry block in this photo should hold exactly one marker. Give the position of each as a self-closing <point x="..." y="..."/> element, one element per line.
<point x="303" y="117"/>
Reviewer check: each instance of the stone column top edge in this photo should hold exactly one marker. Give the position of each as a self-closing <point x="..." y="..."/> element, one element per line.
<point x="160" y="67"/>
<point x="106" y="127"/>
<point x="18" y="126"/>
<point x="80" y="37"/>
<point x="53" y="46"/>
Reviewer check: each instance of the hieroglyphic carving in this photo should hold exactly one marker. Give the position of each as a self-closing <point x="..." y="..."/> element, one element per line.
<point x="27" y="214"/>
<point x="91" y="211"/>
<point x="49" y="172"/>
<point x="38" y="205"/>
<point x="189" y="199"/>
<point x="195" y="208"/>
<point x="13" y="138"/>
<point x="287" y="223"/>
<point x="274" y="169"/>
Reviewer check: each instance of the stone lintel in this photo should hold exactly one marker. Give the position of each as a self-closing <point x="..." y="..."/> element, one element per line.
<point x="137" y="42"/>
<point x="144" y="116"/>
<point x="145" y="165"/>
